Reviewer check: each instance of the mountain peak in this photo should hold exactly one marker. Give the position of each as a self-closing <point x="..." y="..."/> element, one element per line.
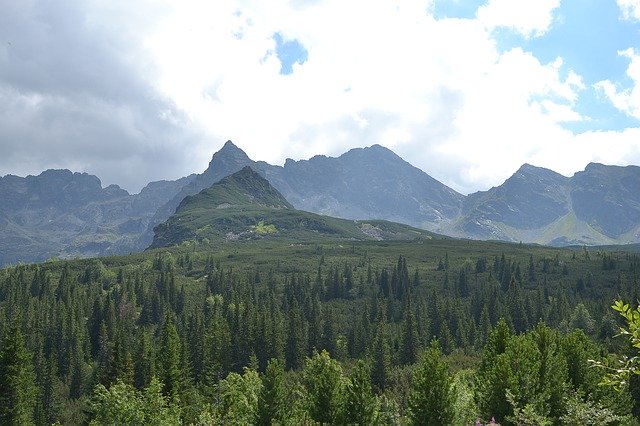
<point x="379" y="148"/>
<point x="529" y="171"/>
<point x="247" y="174"/>
<point x="230" y="148"/>
<point x="243" y="187"/>
<point x="229" y="155"/>
<point x="594" y="166"/>
<point x="527" y="166"/>
<point x="228" y="145"/>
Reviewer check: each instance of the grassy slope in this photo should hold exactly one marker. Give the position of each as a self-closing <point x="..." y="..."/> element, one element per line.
<point x="234" y="208"/>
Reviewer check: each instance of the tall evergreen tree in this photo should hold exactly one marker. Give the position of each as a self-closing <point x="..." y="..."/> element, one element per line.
<point x="493" y="374"/>
<point x="271" y="404"/>
<point x="18" y="390"/>
<point x="169" y="354"/>
<point x="296" y="342"/>
<point x="381" y="352"/>
<point x="410" y="341"/>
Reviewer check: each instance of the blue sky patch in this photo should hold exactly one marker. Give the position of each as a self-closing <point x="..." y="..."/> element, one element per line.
<point x="289" y="52"/>
<point x="461" y="9"/>
<point x="587" y="35"/>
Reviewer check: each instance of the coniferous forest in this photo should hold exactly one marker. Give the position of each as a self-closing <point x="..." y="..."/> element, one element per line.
<point x="432" y="331"/>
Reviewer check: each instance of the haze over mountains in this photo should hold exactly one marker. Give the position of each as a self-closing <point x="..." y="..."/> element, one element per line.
<point x="60" y="213"/>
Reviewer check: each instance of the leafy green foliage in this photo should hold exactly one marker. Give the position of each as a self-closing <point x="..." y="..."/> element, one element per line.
<point x="432" y="398"/>
<point x="238" y="398"/>
<point x="123" y="404"/>
<point x="262" y="229"/>
<point x="360" y="404"/>
<point x="620" y="375"/>
<point x="324" y="386"/>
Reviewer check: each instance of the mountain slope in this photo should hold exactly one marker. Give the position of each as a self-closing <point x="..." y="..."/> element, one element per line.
<point x="246" y="206"/>
<point x="63" y="214"/>
<point x="364" y="183"/>
<point x="600" y="205"/>
<point x="607" y="198"/>
<point x="369" y="183"/>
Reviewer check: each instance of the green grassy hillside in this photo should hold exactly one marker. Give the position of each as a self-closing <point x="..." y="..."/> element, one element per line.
<point x="244" y="206"/>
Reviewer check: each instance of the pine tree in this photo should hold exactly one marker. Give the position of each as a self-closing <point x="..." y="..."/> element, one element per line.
<point x="432" y="396"/>
<point x="18" y="390"/>
<point x="493" y="374"/>
<point x="295" y="345"/>
<point x="381" y="352"/>
<point x="169" y="353"/>
<point x="410" y="341"/>
<point x="271" y="404"/>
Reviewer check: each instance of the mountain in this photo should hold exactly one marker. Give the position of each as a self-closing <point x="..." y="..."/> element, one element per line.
<point x="608" y="199"/>
<point x="63" y="214"/>
<point x="369" y="183"/>
<point x="245" y="206"/>
<point x="225" y="162"/>
<point x="364" y="183"/>
<point x="600" y="205"/>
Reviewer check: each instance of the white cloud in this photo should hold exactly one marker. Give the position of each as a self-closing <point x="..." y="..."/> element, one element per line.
<point x="531" y="18"/>
<point x="630" y="9"/>
<point x="438" y="92"/>
<point x="625" y="100"/>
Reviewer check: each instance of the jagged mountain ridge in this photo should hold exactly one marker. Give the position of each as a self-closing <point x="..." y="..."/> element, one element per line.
<point x="363" y="183"/>
<point x="245" y="206"/>
<point x="600" y="205"/>
<point x="535" y="205"/>
<point x="63" y="214"/>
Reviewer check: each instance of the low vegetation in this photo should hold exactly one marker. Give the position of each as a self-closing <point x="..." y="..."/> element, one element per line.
<point x="281" y="332"/>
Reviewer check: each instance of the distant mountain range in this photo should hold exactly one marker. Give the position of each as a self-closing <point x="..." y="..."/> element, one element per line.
<point x="598" y="206"/>
<point x="65" y="214"/>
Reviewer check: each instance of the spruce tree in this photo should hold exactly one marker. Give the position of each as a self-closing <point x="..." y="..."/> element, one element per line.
<point x="381" y="352"/>
<point x="169" y="358"/>
<point x="18" y="392"/>
<point x="271" y="404"/>
<point x="493" y="374"/>
<point x="410" y="340"/>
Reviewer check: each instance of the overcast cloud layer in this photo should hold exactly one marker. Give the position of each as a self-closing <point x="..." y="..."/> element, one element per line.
<point x="149" y="90"/>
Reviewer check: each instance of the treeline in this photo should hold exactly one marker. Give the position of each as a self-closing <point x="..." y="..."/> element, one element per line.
<point x="182" y="329"/>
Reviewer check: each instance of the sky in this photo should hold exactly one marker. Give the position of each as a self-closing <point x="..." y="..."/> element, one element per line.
<point x="466" y="90"/>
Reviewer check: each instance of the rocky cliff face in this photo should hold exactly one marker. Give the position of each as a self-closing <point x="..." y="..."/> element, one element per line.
<point x="600" y="205"/>
<point x="60" y="213"/>
<point x="364" y="183"/>
<point x="63" y="214"/>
